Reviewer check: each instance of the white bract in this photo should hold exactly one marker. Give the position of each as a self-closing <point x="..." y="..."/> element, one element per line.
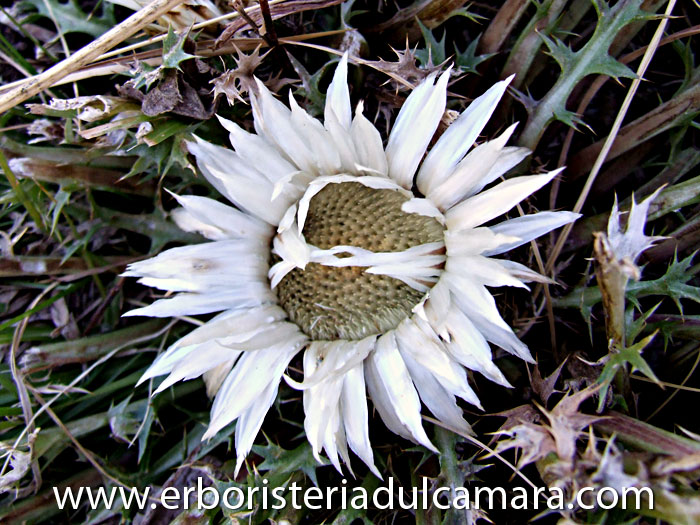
<point x="328" y="251"/>
<point x="626" y="246"/>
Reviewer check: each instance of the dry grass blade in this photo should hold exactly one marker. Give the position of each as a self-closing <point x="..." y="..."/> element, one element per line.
<point x="678" y="387"/>
<point x="22" y="391"/>
<point x="648" y="55"/>
<point x="153" y="58"/>
<point x="79" y="378"/>
<point x="48" y="78"/>
<point x="502" y="25"/>
<point x="86" y="453"/>
<point x="354" y="59"/>
<point x="666" y="384"/>
<point x="195" y="27"/>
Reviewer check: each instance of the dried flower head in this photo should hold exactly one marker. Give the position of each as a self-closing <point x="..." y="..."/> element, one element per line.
<point x="330" y="250"/>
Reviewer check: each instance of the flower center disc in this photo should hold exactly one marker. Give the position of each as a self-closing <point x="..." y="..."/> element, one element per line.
<point x="330" y="303"/>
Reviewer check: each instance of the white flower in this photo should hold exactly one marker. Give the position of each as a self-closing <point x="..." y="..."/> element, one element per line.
<point x="328" y="250"/>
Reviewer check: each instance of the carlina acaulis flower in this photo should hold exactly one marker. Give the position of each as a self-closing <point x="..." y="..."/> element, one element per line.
<point x="327" y="250"/>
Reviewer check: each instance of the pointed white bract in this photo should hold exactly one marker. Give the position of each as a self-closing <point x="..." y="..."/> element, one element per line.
<point x="414" y="128"/>
<point x="459" y="138"/>
<point x="271" y="177"/>
<point x="631" y="242"/>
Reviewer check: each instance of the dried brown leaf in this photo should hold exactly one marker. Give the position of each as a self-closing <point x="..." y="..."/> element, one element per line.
<point x="544" y="388"/>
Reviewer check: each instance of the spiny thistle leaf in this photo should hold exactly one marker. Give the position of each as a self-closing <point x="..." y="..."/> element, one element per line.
<point x="70" y="18"/>
<point x="467" y="60"/>
<point x="434" y="51"/>
<point x="130" y="421"/>
<point x="559" y="51"/>
<point x="615" y="360"/>
<point x="144" y="75"/>
<point x="155" y="226"/>
<point x="310" y="88"/>
<point x="636" y="326"/>
<point x="282" y="461"/>
<point x="611" y="67"/>
<point x="524" y="97"/>
<point x="173" y="49"/>
<point x="673" y="284"/>
<point x="570" y="118"/>
<point x="464" y="12"/>
<point x="173" y="55"/>
<point x="592" y="58"/>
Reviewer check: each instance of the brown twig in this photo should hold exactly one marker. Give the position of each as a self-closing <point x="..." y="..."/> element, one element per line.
<point x="99" y="313"/>
<point x="268" y="31"/>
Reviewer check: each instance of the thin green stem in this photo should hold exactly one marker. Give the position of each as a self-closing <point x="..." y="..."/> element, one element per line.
<point x="22" y="197"/>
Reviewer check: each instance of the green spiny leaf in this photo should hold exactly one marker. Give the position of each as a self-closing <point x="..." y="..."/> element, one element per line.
<point x="144" y="75"/>
<point x="592" y="57"/>
<point x="467" y="60"/>
<point x="70" y="18"/>
<point x="607" y="65"/>
<point x="122" y="421"/>
<point x="283" y="461"/>
<point x="636" y="326"/>
<point x="434" y="51"/>
<point x="614" y="361"/>
<point x="559" y="51"/>
<point x="156" y="227"/>
<point x="173" y="49"/>
<point x="310" y="85"/>
<point x="148" y="157"/>
<point x="178" y="154"/>
<point x="527" y="100"/>
<point x="464" y="12"/>
<point x="571" y="119"/>
<point x="673" y="284"/>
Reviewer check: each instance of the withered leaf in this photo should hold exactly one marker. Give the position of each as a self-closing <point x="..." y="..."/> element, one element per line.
<point x="233" y="83"/>
<point x="518" y="415"/>
<point x="403" y="68"/>
<point x="566" y="422"/>
<point x="175" y="95"/>
<point x="544" y="388"/>
<point x="164" y="97"/>
<point x="559" y="434"/>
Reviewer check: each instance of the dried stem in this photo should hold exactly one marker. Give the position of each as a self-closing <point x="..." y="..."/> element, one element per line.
<point x="613" y="133"/>
<point x="84" y="56"/>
